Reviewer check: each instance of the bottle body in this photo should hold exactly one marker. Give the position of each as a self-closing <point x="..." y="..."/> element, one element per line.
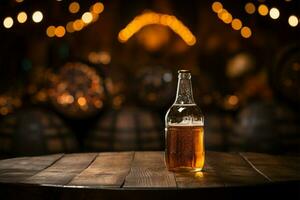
<point x="184" y="133"/>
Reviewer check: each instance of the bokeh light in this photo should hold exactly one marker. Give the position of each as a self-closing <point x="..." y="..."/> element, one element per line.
<point x="74" y="7"/>
<point x="60" y="31"/>
<point x="250" y="8"/>
<point x="274" y="13"/>
<point x="37" y="16"/>
<point x="78" y="25"/>
<point x="236" y="24"/>
<point x="246" y="32"/>
<point x="223" y="14"/>
<point x="81" y="101"/>
<point x="22" y="17"/>
<point x="97" y="8"/>
<point x="8" y="22"/>
<point x="102" y="57"/>
<point x="293" y="21"/>
<point x="50" y="31"/>
<point x="228" y="19"/>
<point x="217" y="7"/>
<point x="70" y="27"/>
<point x="151" y="18"/>
<point x="263" y="10"/>
<point x="87" y="17"/>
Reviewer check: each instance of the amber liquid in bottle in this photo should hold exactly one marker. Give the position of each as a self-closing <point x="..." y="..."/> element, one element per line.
<point x="184" y="130"/>
<point x="185" y="148"/>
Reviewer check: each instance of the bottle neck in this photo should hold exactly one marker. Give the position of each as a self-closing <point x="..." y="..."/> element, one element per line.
<point x="184" y="93"/>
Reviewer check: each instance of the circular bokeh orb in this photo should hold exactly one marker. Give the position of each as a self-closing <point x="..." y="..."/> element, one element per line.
<point x="77" y="90"/>
<point x="156" y="86"/>
<point x="34" y="132"/>
<point x="127" y="129"/>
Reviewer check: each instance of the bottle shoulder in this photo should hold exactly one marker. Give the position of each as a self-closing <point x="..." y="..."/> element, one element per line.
<point x="184" y="114"/>
<point x="185" y="109"/>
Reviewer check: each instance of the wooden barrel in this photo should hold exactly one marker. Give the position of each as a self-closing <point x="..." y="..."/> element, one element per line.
<point x="34" y="132"/>
<point x="129" y="128"/>
<point x="285" y="74"/>
<point x="77" y="90"/>
<point x="218" y="126"/>
<point x="143" y="175"/>
<point x="266" y="127"/>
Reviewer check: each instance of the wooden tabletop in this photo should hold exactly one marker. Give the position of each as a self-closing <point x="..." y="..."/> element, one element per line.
<point x="146" y="171"/>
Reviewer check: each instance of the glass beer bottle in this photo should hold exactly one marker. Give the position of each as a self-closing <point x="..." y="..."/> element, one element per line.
<point x="184" y="129"/>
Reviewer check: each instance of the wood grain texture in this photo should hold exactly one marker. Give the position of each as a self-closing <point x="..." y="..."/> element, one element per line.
<point x="18" y="169"/>
<point x="276" y="168"/>
<point x="206" y="178"/>
<point x="62" y="171"/>
<point x="107" y="170"/>
<point x="148" y="170"/>
<point x="233" y="170"/>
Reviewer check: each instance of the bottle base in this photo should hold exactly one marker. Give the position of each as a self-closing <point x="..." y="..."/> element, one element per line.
<point x="185" y="169"/>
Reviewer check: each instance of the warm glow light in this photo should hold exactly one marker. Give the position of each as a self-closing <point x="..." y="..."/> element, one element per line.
<point x="101" y="57"/>
<point x="19" y="1"/>
<point x="97" y="8"/>
<point x="8" y="22"/>
<point x="22" y="17"/>
<point x="70" y="27"/>
<point x="293" y="21"/>
<point x="150" y="18"/>
<point x="274" y="13"/>
<point x="95" y="16"/>
<point x="60" y="31"/>
<point x="228" y="19"/>
<point x="78" y="25"/>
<point x="223" y="14"/>
<point x="236" y="24"/>
<point x="50" y="31"/>
<point x="74" y="7"/>
<point x="217" y="7"/>
<point x="81" y="101"/>
<point x="37" y="16"/>
<point x="250" y="8"/>
<point x="87" y="17"/>
<point x="233" y="100"/>
<point x="263" y="10"/>
<point x="246" y="32"/>
<point x="65" y="98"/>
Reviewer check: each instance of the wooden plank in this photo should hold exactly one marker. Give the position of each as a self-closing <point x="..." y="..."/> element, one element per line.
<point x="205" y="179"/>
<point x="233" y="170"/>
<point x="17" y="169"/>
<point x="148" y="170"/>
<point x="276" y="168"/>
<point x="64" y="170"/>
<point x="108" y="170"/>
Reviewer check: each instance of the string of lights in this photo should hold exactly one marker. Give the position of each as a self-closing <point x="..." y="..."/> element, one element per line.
<point x="59" y="30"/>
<point x="151" y="18"/>
<point x="250" y="8"/>
<point x="22" y="17"/>
<point x="273" y="12"/>
<point x="227" y="18"/>
<point x="78" y="24"/>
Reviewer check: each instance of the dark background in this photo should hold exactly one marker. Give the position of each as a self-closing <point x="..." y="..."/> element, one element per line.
<point x="247" y="88"/>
